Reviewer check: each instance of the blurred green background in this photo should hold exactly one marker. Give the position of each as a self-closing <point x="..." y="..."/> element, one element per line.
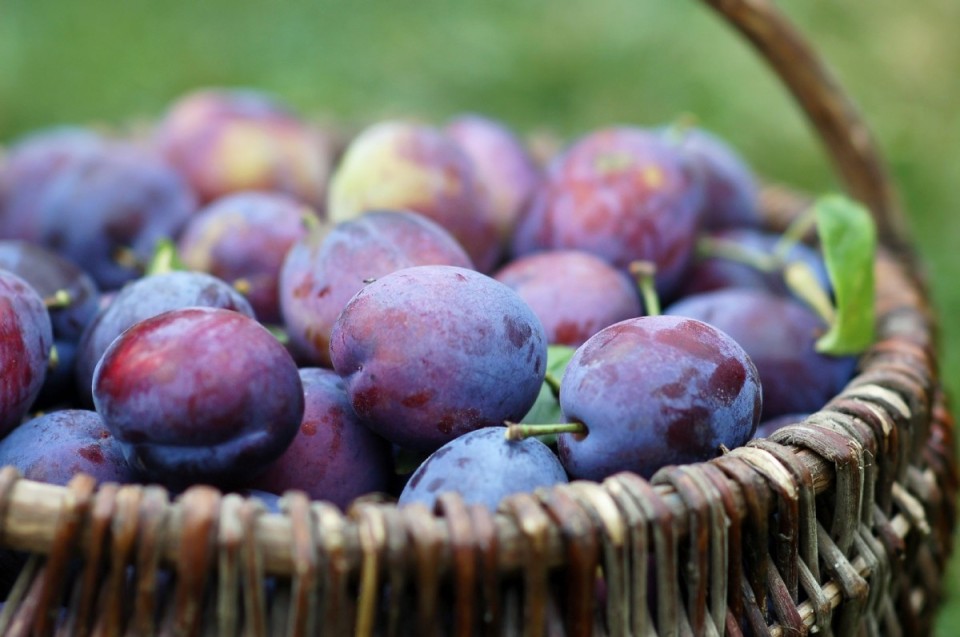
<point x="562" y="66"/>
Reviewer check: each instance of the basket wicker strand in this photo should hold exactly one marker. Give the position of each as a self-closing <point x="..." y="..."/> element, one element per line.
<point x="840" y="525"/>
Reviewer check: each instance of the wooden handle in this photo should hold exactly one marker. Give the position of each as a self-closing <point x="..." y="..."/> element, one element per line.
<point x="838" y="123"/>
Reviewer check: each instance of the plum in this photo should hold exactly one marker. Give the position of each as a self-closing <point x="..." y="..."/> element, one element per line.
<point x="432" y="352"/>
<point x="243" y="239"/>
<point x="106" y="210"/>
<point x="484" y="467"/>
<point x="199" y="394"/>
<point x="624" y="194"/>
<point x="731" y="195"/>
<point x="25" y="340"/>
<point x="396" y="165"/>
<point x="506" y="171"/>
<point x="654" y="391"/>
<point x="56" y="446"/>
<point x="29" y="166"/>
<point x="226" y="141"/>
<point x="779" y="335"/>
<point x="325" y="269"/>
<point x="333" y="456"/>
<point x="574" y="294"/>
<point x="143" y="299"/>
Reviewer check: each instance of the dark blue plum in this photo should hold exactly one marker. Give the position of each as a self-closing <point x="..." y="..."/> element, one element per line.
<point x="57" y="446"/>
<point x="326" y="268"/>
<point x="431" y="352"/>
<point x="779" y="334"/>
<point x="483" y="467"/>
<point x="333" y="457"/>
<point x="25" y="340"/>
<point x="623" y="194"/>
<point x="106" y="210"/>
<point x="145" y="298"/>
<point x="199" y="395"/>
<point x="656" y="391"/>
<point x="731" y="195"/>
<point x="32" y="163"/>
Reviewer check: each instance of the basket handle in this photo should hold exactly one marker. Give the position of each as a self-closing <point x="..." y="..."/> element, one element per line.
<point x="838" y="123"/>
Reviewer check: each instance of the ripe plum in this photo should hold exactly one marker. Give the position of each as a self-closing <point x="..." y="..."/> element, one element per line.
<point x="325" y="269"/>
<point x="779" y="335"/>
<point x="25" y="340"/>
<point x="142" y="299"/>
<point x="654" y="391"/>
<point x="243" y="239"/>
<point x="432" y="352"/>
<point x="199" y="394"/>
<point x="506" y="171"/>
<point x="226" y="141"/>
<point x="333" y="457"/>
<point x="484" y="468"/>
<point x="400" y="166"/>
<point x="574" y="294"/>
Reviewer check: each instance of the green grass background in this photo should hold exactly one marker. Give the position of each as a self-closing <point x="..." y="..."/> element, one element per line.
<point x="566" y="66"/>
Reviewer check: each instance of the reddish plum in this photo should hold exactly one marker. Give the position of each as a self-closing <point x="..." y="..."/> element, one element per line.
<point x="400" y="166"/>
<point x="25" y="340"/>
<point x="573" y="293"/>
<point x="654" y="391"/>
<point x="333" y="457"/>
<point x="199" y="394"/>
<point x="432" y="352"/>
<point x="243" y="239"/>
<point x="226" y="141"/>
<point x="325" y="269"/>
<point x="624" y="194"/>
<point x="506" y="172"/>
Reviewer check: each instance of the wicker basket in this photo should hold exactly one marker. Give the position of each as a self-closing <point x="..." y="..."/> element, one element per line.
<point x="840" y="525"/>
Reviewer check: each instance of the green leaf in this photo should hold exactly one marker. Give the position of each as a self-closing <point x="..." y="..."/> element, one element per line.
<point x="546" y="409"/>
<point x="848" y="239"/>
<point x="165" y="259"/>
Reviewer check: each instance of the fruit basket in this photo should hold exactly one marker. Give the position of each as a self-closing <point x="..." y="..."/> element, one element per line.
<point x="841" y="524"/>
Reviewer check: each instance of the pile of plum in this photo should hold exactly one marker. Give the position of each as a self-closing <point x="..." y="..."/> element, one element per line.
<point x="237" y="297"/>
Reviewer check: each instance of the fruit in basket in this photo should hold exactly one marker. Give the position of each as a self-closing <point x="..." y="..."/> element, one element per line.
<point x="506" y="171"/>
<point x="106" y="209"/>
<point x="243" y="239"/>
<point x="624" y="194"/>
<point x="145" y="298"/>
<point x="333" y="456"/>
<point x="323" y="270"/>
<point x="779" y="334"/>
<point x="731" y="196"/>
<point x="431" y="352"/>
<point x="574" y="294"/>
<point x="25" y="340"/>
<point x="56" y="446"/>
<point x="31" y="163"/>
<point x="225" y="141"/>
<point x="396" y="165"/>
<point x="199" y="395"/>
<point x="654" y="391"/>
<point x="483" y="467"/>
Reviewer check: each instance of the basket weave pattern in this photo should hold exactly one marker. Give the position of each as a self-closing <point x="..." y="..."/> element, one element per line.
<point x="840" y="525"/>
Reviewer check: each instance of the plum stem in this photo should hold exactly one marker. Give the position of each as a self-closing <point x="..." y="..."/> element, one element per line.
<point x="279" y="333"/>
<point x="165" y="259"/>
<point x="803" y="282"/>
<point x="553" y="383"/>
<point x="715" y="247"/>
<point x="643" y="272"/>
<point x="522" y="431"/>
<point x="53" y="360"/>
<point x="795" y="232"/>
<point x="310" y="221"/>
<point x="242" y="285"/>
<point x="58" y="300"/>
<point x="127" y="258"/>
